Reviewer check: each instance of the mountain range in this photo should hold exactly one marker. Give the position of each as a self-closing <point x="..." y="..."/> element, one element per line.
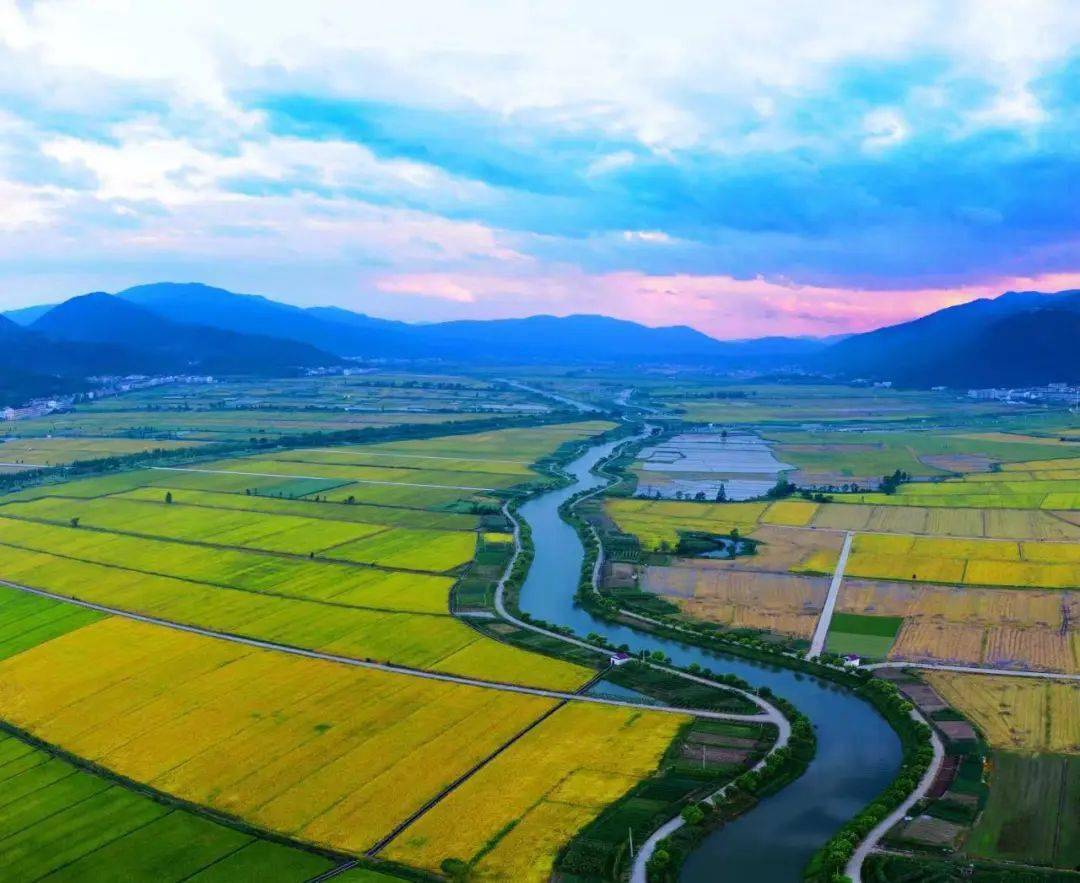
<point x="1019" y="338"/>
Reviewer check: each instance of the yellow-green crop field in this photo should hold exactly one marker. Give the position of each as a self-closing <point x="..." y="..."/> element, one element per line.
<point x="550" y="784"/>
<point x="956" y="561"/>
<point x="436" y="642"/>
<point x="1024" y="714"/>
<point x="391" y="547"/>
<point x="60" y="451"/>
<point x="659" y="521"/>
<point x="388" y="516"/>
<point x="330" y="754"/>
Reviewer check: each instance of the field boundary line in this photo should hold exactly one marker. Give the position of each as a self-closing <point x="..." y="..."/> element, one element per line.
<point x="448" y="487"/>
<point x="325" y="602"/>
<point x="977" y="670"/>
<point x="821" y="630"/>
<point x="434" y="801"/>
<point x="389" y="667"/>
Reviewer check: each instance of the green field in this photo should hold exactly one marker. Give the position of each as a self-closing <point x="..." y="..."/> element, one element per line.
<point x="61" y="823"/>
<point x="870" y="636"/>
<point x="1031" y="814"/>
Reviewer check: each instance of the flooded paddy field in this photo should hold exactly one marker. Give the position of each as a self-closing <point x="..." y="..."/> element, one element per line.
<point x="701" y="463"/>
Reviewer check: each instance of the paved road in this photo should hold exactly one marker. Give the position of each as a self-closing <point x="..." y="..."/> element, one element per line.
<point x="450" y="487"/>
<point x="565" y="400"/>
<point x="976" y="670"/>
<point x="821" y="632"/>
<point x="378" y="666"/>
<point x="853" y="870"/>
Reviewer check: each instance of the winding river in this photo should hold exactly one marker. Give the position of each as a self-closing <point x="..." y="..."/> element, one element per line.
<point x="858" y="753"/>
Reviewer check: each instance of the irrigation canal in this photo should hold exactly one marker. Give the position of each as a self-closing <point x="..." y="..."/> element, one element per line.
<point x="858" y="753"/>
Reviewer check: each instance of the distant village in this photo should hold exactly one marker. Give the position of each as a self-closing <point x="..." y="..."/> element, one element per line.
<point x="110" y="386"/>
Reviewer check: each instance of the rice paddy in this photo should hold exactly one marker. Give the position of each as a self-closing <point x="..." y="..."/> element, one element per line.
<point x="60" y="822"/>
<point x="1019" y="714"/>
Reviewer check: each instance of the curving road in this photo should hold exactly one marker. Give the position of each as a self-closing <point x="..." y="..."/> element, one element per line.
<point x="853" y="869"/>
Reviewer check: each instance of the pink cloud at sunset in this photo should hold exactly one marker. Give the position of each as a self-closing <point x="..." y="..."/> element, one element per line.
<point x="722" y="306"/>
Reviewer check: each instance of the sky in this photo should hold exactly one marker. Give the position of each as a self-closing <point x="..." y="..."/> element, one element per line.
<point x="776" y="167"/>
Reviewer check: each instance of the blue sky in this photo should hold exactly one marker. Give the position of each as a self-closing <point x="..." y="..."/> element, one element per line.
<point x="747" y="168"/>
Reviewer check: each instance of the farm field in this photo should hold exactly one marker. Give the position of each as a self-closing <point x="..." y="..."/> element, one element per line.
<point x="273" y="738"/>
<point x="1030" y="814"/>
<point x="1017" y="714"/>
<point x="870" y="636"/>
<point x="1000" y="628"/>
<point x="957" y="561"/>
<point x="368" y="581"/>
<point x="61" y="451"/>
<point x="62" y="823"/>
<point x="778" y="602"/>
<point x="512" y="817"/>
<point x="437" y="642"/>
<point x="432" y="550"/>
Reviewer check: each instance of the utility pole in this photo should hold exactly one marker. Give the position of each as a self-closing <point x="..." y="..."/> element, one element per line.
<point x="630" y="831"/>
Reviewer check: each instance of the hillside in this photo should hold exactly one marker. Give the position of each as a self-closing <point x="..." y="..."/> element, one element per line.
<point x="1019" y="338"/>
<point x="158" y="344"/>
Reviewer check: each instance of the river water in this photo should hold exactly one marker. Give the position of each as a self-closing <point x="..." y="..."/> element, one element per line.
<point x="858" y="753"/>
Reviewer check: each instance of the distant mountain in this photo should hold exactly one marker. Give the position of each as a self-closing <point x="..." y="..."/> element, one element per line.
<point x="27" y="315"/>
<point x="1019" y="338"/>
<point x="157" y="344"/>
<point x="579" y="338"/>
<point x="330" y="329"/>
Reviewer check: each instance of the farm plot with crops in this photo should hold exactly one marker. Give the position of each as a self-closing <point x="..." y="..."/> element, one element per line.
<point x="332" y="755"/>
<point x="862" y="635"/>
<point x="61" y="822"/>
<point x="1000" y="628"/>
<point x="1023" y="818"/>
<point x="1018" y="714"/>
<point x="512" y="817"/>
<point x="60" y="451"/>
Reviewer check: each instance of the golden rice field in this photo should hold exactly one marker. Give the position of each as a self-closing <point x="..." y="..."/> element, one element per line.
<point x="231" y="568"/>
<point x="1024" y="714"/>
<point x="958" y="561"/>
<point x="550" y="783"/>
<point x="436" y="642"/>
<point x="331" y="754"/>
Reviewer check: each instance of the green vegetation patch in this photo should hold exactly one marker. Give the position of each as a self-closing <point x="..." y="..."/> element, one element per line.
<point x="64" y="822"/>
<point x="28" y="620"/>
<point x="1031" y="814"/>
<point x="870" y="636"/>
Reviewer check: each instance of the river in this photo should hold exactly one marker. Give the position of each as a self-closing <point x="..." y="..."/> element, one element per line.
<point x="858" y="753"/>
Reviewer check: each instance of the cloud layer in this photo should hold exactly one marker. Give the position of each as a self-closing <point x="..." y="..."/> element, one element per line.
<point x="751" y="169"/>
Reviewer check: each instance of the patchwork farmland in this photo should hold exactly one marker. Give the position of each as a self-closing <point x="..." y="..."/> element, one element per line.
<point x="301" y="762"/>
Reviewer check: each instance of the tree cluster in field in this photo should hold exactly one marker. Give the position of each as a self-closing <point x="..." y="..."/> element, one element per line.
<point x="890" y="483"/>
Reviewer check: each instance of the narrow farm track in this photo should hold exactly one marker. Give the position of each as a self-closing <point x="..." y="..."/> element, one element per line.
<point x="449" y="487"/>
<point x="380" y="666"/>
<point x="853" y="869"/>
<point x="976" y="670"/>
<point x="821" y="631"/>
